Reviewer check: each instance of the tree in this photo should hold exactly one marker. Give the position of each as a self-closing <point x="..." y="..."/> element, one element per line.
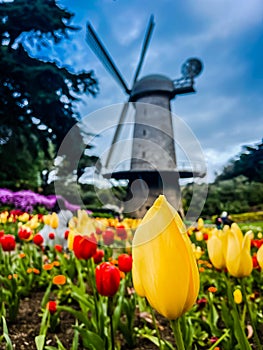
<point x="37" y="98"/>
<point x="248" y="163"/>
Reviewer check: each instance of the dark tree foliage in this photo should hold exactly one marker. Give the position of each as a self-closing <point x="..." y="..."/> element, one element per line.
<point x="37" y="98"/>
<point x="249" y="163"/>
<point x="237" y="195"/>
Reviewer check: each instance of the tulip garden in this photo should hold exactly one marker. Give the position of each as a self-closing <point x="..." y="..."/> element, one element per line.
<point x="109" y="283"/>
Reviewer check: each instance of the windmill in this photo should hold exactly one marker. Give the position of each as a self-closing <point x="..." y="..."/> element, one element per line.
<point x="153" y="166"/>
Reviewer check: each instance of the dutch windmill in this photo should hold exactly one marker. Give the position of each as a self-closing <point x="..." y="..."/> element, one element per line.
<point x="153" y="167"/>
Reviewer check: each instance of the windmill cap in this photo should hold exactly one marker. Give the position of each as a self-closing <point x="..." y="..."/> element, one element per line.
<point x="154" y="83"/>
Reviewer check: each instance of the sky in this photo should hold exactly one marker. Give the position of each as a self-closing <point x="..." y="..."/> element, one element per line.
<point x="226" y="111"/>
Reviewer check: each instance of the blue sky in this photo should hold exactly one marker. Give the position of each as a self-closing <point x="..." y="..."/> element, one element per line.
<point x="226" y="112"/>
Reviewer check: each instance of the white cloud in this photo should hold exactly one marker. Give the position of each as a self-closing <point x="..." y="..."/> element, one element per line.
<point x="226" y="17"/>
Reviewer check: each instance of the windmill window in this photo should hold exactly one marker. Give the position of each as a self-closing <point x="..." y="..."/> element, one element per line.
<point x="143" y="154"/>
<point x="144" y="132"/>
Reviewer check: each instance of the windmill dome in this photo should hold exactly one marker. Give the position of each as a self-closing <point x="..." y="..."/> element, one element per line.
<point x="154" y="83"/>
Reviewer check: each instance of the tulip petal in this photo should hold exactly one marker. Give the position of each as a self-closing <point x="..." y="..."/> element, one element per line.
<point x="233" y="253"/>
<point x="238" y="233"/>
<point x="164" y="266"/>
<point x="260" y="257"/>
<point x="238" y="260"/>
<point x="215" y="252"/>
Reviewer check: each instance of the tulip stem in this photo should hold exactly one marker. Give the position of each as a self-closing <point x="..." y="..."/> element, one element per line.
<point x="239" y="331"/>
<point x="156" y="328"/>
<point x="110" y="314"/>
<point x="255" y="334"/>
<point x="175" y="324"/>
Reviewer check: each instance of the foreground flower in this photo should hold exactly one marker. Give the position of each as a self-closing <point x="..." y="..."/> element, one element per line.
<point x="24" y="234"/>
<point x="8" y="243"/>
<point x="98" y="256"/>
<point x="107" y="279"/>
<point x="38" y="239"/>
<point x="59" y="279"/>
<point x="216" y="246"/>
<point x="238" y="259"/>
<point x="164" y="266"/>
<point x="52" y="306"/>
<point x="54" y="221"/>
<point x="121" y="232"/>
<point x="84" y="247"/>
<point x="125" y="262"/>
<point x="237" y="296"/>
<point x="108" y="237"/>
<point x="260" y="257"/>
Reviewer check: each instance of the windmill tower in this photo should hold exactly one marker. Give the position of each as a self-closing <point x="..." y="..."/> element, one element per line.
<point x="153" y="166"/>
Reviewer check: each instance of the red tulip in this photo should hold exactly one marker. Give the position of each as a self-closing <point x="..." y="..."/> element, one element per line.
<point x="205" y="236"/>
<point x="66" y="233"/>
<point x="84" y="247"/>
<point x="2" y="232"/>
<point x="257" y="243"/>
<point x="38" y="239"/>
<point x="125" y="262"/>
<point x="8" y="242"/>
<point x="121" y="232"/>
<point x="108" y="237"/>
<point x="58" y="248"/>
<point x="98" y="256"/>
<point x="98" y="231"/>
<point x="51" y="235"/>
<point x="255" y="261"/>
<point x="24" y="234"/>
<point x="52" y="306"/>
<point x="107" y="279"/>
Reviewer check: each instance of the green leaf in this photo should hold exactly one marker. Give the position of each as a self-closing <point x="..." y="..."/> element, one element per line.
<point x="9" y="345"/>
<point x="77" y="314"/>
<point x="40" y="341"/>
<point x="155" y="341"/>
<point x="46" y="296"/>
<point x="91" y="340"/>
<point x="60" y="345"/>
<point x="82" y="298"/>
<point x="44" y="323"/>
<point x="75" y="342"/>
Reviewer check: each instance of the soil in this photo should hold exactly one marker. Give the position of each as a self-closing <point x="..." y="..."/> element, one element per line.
<point x="26" y="327"/>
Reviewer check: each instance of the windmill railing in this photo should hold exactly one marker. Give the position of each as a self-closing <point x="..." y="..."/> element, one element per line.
<point x="184" y="168"/>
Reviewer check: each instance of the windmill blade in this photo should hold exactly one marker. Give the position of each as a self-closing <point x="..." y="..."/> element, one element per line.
<point x="105" y="58"/>
<point x="117" y="132"/>
<point x="145" y="45"/>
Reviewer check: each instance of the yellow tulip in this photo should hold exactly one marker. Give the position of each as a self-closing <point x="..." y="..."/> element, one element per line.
<point x="54" y="220"/>
<point x="238" y="258"/>
<point x="3" y="217"/>
<point x="33" y="223"/>
<point x="24" y="217"/>
<point x="83" y="224"/>
<point x="46" y="219"/>
<point x="200" y="224"/>
<point x="198" y="252"/>
<point x="164" y="266"/>
<point x="237" y="296"/>
<point x="71" y="237"/>
<point x="260" y="257"/>
<point x="199" y="236"/>
<point x="216" y="246"/>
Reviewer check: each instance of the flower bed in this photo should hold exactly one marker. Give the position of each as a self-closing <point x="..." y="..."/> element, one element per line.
<point x="103" y="280"/>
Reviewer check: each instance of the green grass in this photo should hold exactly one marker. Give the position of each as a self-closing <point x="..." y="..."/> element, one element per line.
<point x="256" y="226"/>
